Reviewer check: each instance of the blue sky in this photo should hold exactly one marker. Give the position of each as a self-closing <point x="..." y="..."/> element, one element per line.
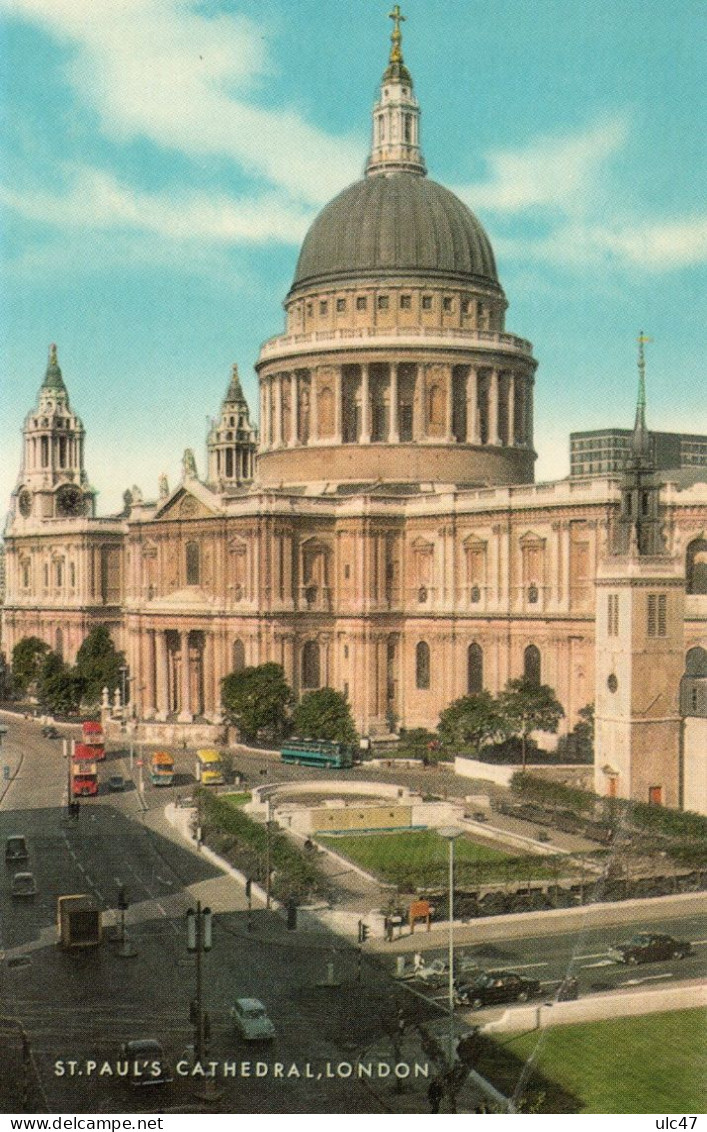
<point x="162" y="160"/>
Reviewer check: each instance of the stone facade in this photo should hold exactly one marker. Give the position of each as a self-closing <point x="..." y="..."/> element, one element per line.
<point x="388" y="541"/>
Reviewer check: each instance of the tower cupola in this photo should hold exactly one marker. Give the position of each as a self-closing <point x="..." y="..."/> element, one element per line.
<point x="232" y="440"/>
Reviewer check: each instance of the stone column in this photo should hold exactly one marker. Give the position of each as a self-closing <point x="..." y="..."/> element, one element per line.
<point x="294" y="410"/>
<point x="277" y="431"/>
<point x="207" y="674"/>
<point x="449" y="385"/>
<point x="313" y="405"/>
<point x="161" y="674"/>
<point x="565" y="536"/>
<point x="528" y="395"/>
<point x="394" y="428"/>
<point x="149" y="705"/>
<point x="493" y="408"/>
<point x="185" y="698"/>
<point x="472" y="407"/>
<point x="511" y="409"/>
<point x="365" y="437"/>
<point x="338" y="428"/>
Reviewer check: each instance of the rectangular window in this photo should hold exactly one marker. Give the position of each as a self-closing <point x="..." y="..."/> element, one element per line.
<point x="446" y="303"/>
<point x="613" y="615"/>
<point x="341" y="304"/>
<point x="465" y="306"/>
<point x="323" y="306"/>
<point x="427" y="302"/>
<point x="405" y="302"/>
<point x="657" y="615"/>
<point x="360" y="302"/>
<point x="382" y="302"/>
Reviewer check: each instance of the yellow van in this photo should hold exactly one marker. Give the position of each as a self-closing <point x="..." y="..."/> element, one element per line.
<point x="209" y="771"/>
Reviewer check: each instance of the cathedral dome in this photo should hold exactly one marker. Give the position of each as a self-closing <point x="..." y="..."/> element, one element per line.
<point x="395" y="224"/>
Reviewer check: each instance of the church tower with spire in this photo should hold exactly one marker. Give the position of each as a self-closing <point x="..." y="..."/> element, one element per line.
<point x="640" y="598"/>
<point x="64" y="565"/>
<point x="52" y="483"/>
<point x="232" y="441"/>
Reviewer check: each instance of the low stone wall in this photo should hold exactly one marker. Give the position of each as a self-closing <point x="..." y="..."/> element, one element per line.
<point x="599" y="1007"/>
<point x="569" y="774"/>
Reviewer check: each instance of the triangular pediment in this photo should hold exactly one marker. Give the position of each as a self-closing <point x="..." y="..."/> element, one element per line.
<point x="192" y="501"/>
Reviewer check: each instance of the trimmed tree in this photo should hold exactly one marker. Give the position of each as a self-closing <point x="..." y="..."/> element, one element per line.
<point x="473" y="721"/>
<point x="58" y="687"/>
<point x="98" y="664"/>
<point x="27" y="658"/>
<point x="527" y="707"/>
<point x="257" y="699"/>
<point x="325" y="714"/>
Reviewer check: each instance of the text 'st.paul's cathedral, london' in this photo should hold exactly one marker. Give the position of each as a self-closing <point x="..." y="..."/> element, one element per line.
<point x="381" y="533"/>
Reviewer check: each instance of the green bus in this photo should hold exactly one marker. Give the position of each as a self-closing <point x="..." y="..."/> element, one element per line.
<point x="317" y="752"/>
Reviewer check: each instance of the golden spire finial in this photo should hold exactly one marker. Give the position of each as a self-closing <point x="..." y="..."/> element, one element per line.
<point x="396" y="55"/>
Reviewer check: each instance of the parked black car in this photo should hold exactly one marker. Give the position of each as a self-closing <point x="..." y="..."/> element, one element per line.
<point x="649" y="948"/>
<point x="490" y="987"/>
<point x="50" y="732"/>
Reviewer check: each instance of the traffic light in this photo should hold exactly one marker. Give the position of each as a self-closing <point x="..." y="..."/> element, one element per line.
<point x="363" y="931"/>
<point x="123" y="901"/>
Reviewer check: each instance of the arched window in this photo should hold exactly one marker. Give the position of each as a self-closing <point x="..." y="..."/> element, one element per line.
<point x="422" y="665"/>
<point x="532" y="665"/>
<point x="696" y="567"/>
<point x="59" y="643"/>
<point x="696" y="662"/>
<point x="193" y="564"/>
<point x="474" y="670"/>
<point x="693" y="686"/>
<point x="238" y="656"/>
<point x="310" y="665"/>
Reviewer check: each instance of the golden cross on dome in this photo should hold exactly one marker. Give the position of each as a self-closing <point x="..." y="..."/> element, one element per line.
<point x="397" y="17"/>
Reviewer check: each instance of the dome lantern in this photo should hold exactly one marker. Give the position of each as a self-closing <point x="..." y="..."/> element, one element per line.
<point x="395" y="147"/>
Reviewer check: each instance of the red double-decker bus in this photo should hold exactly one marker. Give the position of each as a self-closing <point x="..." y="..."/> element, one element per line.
<point x="84" y="779"/>
<point x="92" y="739"/>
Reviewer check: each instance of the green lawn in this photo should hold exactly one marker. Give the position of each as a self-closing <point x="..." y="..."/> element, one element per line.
<point x="653" y="1063"/>
<point x="236" y="799"/>
<point x="419" y="859"/>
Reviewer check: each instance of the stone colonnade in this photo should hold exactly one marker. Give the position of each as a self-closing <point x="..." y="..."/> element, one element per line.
<point x="393" y="402"/>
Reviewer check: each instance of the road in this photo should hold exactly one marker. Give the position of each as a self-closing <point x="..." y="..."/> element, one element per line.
<point x="79" y="1008"/>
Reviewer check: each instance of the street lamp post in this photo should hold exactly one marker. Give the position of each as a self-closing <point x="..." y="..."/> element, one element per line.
<point x="450" y="834"/>
<point x="199" y="941"/>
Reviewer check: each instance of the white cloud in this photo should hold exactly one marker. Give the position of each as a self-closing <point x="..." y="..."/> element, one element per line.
<point x="161" y="70"/>
<point x="96" y="199"/>
<point x="642" y="245"/>
<point x="557" y="172"/>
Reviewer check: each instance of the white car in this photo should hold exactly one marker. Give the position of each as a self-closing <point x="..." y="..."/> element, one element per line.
<point x="23" y="884"/>
<point x="250" y="1018"/>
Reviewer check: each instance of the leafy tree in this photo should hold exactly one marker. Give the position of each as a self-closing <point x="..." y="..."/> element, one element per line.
<point x="27" y="658"/>
<point x="98" y="664"/>
<point x="473" y="721"/>
<point x="256" y="699"/>
<point x="325" y="714"/>
<point x="58" y="686"/>
<point x="527" y="707"/>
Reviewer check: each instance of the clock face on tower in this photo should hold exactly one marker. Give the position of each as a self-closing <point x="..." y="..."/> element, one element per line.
<point x="25" y="502"/>
<point x="70" y="501"/>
